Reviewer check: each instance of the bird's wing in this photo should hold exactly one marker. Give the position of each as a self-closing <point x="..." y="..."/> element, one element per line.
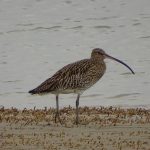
<point x="76" y="75"/>
<point x="70" y="76"/>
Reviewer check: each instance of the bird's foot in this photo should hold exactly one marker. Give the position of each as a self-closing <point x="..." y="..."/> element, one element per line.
<point x="77" y="121"/>
<point x="57" y="116"/>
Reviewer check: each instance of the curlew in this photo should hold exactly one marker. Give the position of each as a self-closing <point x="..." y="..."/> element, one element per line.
<point x="76" y="78"/>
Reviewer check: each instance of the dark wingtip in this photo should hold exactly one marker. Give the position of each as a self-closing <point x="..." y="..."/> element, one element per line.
<point x="32" y="91"/>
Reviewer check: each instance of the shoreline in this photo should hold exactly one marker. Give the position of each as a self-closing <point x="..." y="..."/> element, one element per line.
<point x="100" y="128"/>
<point x="147" y="107"/>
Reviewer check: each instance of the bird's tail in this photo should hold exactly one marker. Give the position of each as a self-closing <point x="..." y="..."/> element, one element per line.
<point x="34" y="91"/>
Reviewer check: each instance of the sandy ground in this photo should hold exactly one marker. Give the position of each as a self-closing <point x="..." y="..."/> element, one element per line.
<point x="99" y="129"/>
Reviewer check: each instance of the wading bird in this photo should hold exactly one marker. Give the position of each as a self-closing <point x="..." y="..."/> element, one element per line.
<point x="76" y="78"/>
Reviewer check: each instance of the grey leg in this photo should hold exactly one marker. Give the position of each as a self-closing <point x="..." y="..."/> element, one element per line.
<point x="57" y="109"/>
<point x="77" y="109"/>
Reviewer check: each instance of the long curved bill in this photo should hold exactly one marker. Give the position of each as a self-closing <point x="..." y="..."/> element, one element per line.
<point x="110" y="57"/>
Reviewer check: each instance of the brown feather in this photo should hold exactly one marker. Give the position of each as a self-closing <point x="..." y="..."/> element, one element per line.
<point x="74" y="77"/>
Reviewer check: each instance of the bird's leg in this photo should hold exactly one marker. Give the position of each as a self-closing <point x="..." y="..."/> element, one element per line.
<point x="77" y="109"/>
<point x="57" y="109"/>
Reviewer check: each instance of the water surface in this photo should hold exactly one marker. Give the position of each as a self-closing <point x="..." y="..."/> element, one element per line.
<point x="39" y="37"/>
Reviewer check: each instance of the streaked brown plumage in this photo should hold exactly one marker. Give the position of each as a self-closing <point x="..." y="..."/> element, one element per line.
<point x="76" y="77"/>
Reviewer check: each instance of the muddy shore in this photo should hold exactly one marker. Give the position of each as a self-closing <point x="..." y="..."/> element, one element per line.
<point x="100" y="128"/>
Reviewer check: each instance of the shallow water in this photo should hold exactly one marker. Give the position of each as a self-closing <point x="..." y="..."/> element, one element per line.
<point x="39" y="37"/>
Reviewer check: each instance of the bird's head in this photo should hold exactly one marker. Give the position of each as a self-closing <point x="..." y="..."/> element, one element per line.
<point x="100" y="54"/>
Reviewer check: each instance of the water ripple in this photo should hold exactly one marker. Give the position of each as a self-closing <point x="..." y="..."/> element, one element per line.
<point x="11" y="81"/>
<point x="34" y="29"/>
<point x="122" y="95"/>
<point x="145" y="37"/>
<point x="46" y="28"/>
<point x="103" y="18"/>
<point x="136" y="24"/>
<point x="126" y="73"/>
<point x="77" y="27"/>
<point x="102" y="27"/>
<point x="17" y="30"/>
<point x="26" y="24"/>
<point x="4" y="62"/>
<point x="92" y="95"/>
